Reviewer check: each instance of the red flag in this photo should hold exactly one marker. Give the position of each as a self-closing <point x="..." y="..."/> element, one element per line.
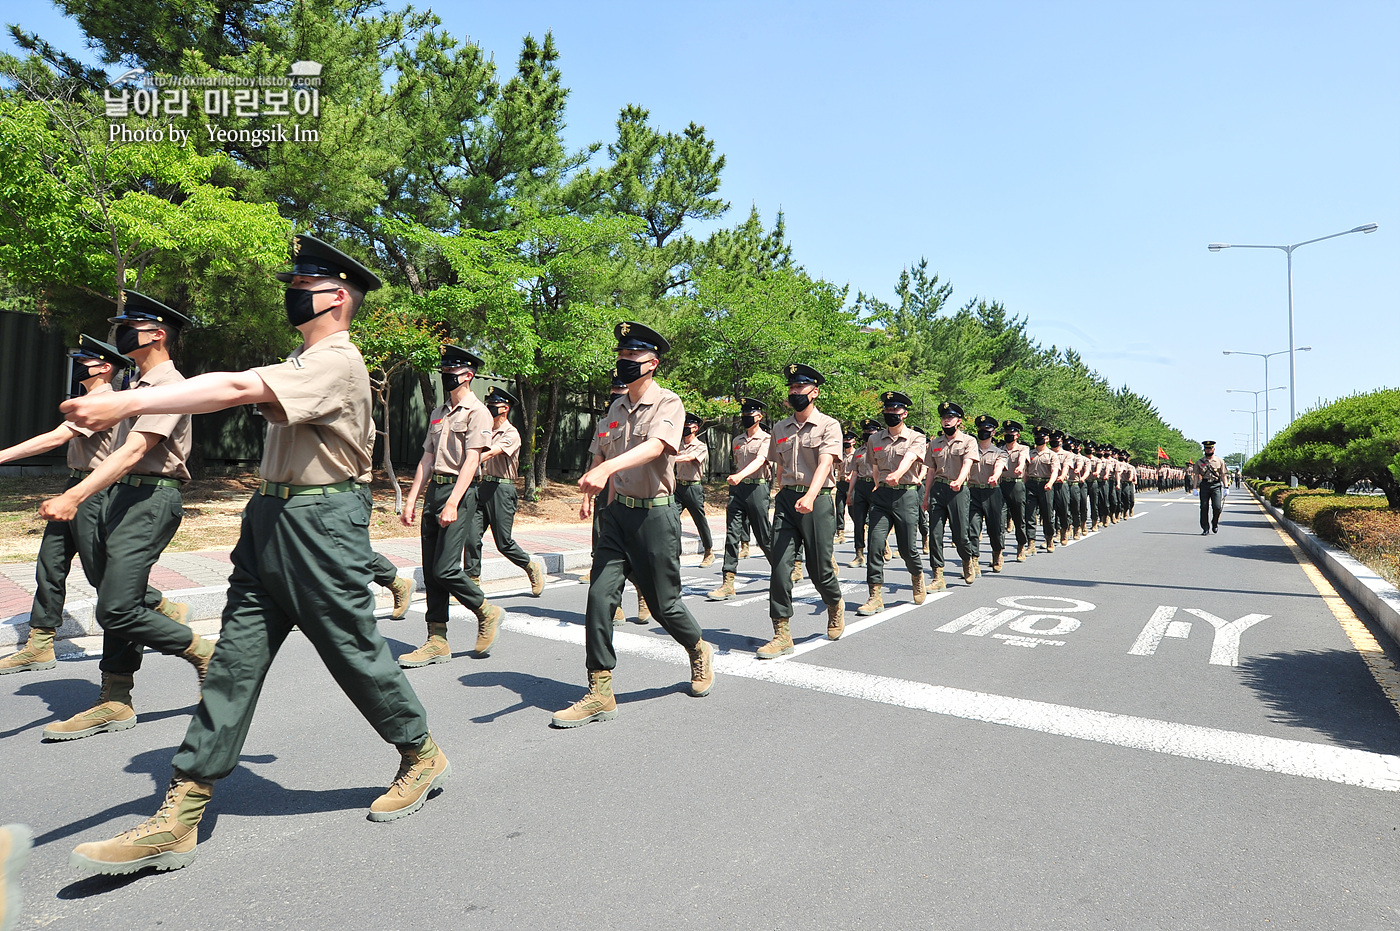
<point x="1162" y="453"/>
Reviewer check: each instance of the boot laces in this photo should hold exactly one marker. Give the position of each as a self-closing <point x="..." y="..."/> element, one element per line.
<point x="697" y="662"/>
<point x="163" y="813"/>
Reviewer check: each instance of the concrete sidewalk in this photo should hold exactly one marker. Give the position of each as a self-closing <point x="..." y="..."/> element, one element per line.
<point x="200" y="577"/>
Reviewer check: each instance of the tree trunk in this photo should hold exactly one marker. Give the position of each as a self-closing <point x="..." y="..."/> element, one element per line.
<point x="556" y="389"/>
<point x="382" y="392"/>
<point x="530" y="407"/>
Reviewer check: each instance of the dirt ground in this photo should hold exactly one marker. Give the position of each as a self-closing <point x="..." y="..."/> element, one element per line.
<point x="214" y="505"/>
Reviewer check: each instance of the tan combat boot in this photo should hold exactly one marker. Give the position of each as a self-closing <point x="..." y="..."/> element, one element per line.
<point x="938" y="585"/>
<point x="707" y="560"/>
<point x="618" y="617"/>
<point x="534" y="571"/>
<point x="797" y="570"/>
<point x="841" y="535"/>
<point x="744" y="550"/>
<point x="1049" y="544"/>
<point x="1021" y="553"/>
<point x="488" y="625"/>
<point x="643" y="609"/>
<point x="421" y="770"/>
<point x="597" y="705"/>
<point x="888" y="554"/>
<point x="925" y="546"/>
<point x="435" y="650"/>
<point x="976" y="568"/>
<point x="177" y="611"/>
<point x="1064" y="536"/>
<point x="403" y="589"/>
<point x="876" y="604"/>
<point x="37" y="653"/>
<point x="780" y="645"/>
<point x="198" y="654"/>
<point x="725" y="591"/>
<point x="920" y="589"/>
<point x="836" y="619"/>
<point x="113" y="712"/>
<point x="996" y="562"/>
<point x="859" y="560"/>
<point x="164" y="841"/>
<point x="969" y="572"/>
<point x="702" y="669"/>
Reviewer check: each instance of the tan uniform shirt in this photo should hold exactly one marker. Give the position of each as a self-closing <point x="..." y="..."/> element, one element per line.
<point x="748" y="448"/>
<point x="986" y="464"/>
<point x="659" y="415"/>
<point x="88" y="448"/>
<point x="507" y="463"/>
<point x="692" y="471"/>
<point x="323" y="433"/>
<point x="455" y="430"/>
<point x="1063" y="459"/>
<point x="1210" y="469"/>
<point x="1129" y="473"/>
<point x="798" y="447"/>
<point x="1081" y="468"/>
<point x="887" y="451"/>
<point x="167" y="458"/>
<point x="1016" y="458"/>
<point x="946" y="454"/>
<point x="846" y="465"/>
<point x="860" y="461"/>
<point x="1041" y="464"/>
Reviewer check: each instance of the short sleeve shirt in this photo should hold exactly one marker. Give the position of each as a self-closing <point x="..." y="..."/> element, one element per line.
<point x="748" y="448"/>
<point x="324" y="433"/>
<point x="507" y="463"/>
<point x="88" y="448"/>
<point x="1017" y="458"/>
<point x="693" y="471"/>
<point x="1041" y="464"/>
<point x="454" y="430"/>
<point x="167" y="458"/>
<point x="798" y="447"/>
<point x="946" y="454"/>
<point x="887" y="451"/>
<point x="1064" y="459"/>
<point x="845" y="466"/>
<point x="987" y="460"/>
<point x="861" y="460"/>
<point x="658" y="415"/>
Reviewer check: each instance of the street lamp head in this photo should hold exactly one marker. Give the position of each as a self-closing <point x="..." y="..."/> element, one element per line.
<point x="1304" y="349"/>
<point x="1368" y="228"/>
<point x="1225" y="352"/>
<point x="1217" y="246"/>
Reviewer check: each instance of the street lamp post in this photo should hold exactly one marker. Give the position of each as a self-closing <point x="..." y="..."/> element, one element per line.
<point x="1288" y="250"/>
<point x="1265" y="356"/>
<point x="1265" y="391"/>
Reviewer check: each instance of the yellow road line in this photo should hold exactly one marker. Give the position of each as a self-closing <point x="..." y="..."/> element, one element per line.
<point x="1382" y="669"/>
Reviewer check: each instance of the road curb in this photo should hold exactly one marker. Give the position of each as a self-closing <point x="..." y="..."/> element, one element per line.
<point x="1380" y="599"/>
<point x="207" y="603"/>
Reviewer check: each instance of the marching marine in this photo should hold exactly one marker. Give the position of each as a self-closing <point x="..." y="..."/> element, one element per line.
<point x="1013" y="485"/>
<point x="691" y="460"/>
<point x="748" y="494"/>
<point x="949" y="459"/>
<point x="496" y="497"/>
<point x="894" y="454"/>
<point x="984" y="496"/>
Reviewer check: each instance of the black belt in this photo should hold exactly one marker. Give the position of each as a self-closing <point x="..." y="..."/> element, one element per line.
<point x="803" y="489"/>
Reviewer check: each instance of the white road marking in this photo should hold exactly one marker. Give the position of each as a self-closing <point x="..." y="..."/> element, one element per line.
<point x="1343" y="765"/>
<point x="1224" y="650"/>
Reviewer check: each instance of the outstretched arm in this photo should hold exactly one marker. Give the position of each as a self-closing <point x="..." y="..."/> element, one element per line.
<point x="203" y="394"/>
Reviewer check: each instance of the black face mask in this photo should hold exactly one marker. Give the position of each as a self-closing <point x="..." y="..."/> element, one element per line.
<point x="301" y="305"/>
<point x="499" y="410"/>
<point x="949" y="431"/>
<point x="628" y="370"/>
<point x="1054" y="444"/>
<point x="128" y="340"/>
<point x="1009" y="438"/>
<point x="450" y="381"/>
<point x="81" y="373"/>
<point x="891" y="419"/>
<point x="865" y="438"/>
<point x="748" y="420"/>
<point x="984" y="433"/>
<point x="799" y="402"/>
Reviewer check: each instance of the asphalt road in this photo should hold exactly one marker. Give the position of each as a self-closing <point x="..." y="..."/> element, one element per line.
<point x="1146" y="729"/>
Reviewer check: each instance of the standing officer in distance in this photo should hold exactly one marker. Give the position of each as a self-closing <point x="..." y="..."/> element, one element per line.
<point x="95" y="363"/>
<point x="844" y="467"/>
<point x="302" y="560"/>
<point x="748" y="494"/>
<point x="804" y="447"/>
<point x="496" y="497"/>
<point x="894" y="453"/>
<point x="691" y="460"/>
<point x="862" y="491"/>
<point x="641" y="526"/>
<point x="141" y="512"/>
<point x="1210" y="472"/>
<point x="950" y="459"/>
<point x="1041" y="472"/>
<point x="985" y="500"/>
<point x="459" y="431"/>
<point x="1013" y="485"/>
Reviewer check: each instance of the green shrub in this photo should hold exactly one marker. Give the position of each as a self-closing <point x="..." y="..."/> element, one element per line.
<point x="1371" y="534"/>
<point x="1304" y="508"/>
<point x="1354" y="438"/>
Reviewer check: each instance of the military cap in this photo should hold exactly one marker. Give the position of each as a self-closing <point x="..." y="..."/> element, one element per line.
<point x="1011" y="426"/>
<point x="693" y="418"/>
<point x="869" y="425"/>
<point x="895" y="399"/>
<point x="1042" y="433"/>
<point x="313" y="258"/>
<point x="799" y="374"/>
<point x="138" y="308"/>
<point x="949" y="409"/>
<point x="95" y="349"/>
<point x="1208" y="443"/>
<point x="850" y="434"/>
<point x="636" y="336"/>
<point x="456" y="356"/>
<point x="916" y="428"/>
<point x="985" y="420"/>
<point x="498" y="396"/>
<point x="751" y="405"/>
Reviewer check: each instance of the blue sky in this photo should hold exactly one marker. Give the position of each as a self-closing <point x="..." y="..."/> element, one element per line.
<point x="1070" y="159"/>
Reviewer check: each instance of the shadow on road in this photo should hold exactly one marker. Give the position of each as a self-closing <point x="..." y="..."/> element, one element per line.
<point x="1328" y="691"/>
<point x="1095" y="583"/>
<point x="67" y="697"/>
<point x="1265" y="552"/>
<point x="550" y="694"/>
